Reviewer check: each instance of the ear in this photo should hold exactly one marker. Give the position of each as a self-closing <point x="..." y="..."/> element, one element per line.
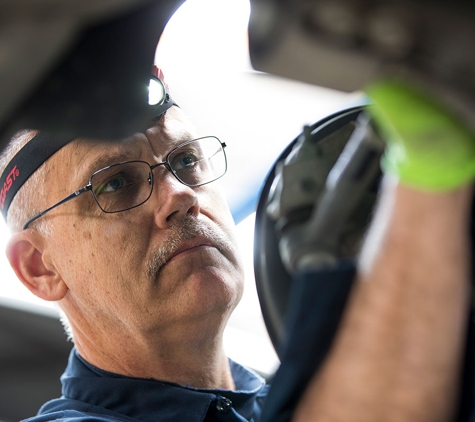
<point x="25" y="251"/>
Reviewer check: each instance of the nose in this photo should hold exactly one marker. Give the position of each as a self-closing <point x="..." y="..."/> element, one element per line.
<point x="173" y="200"/>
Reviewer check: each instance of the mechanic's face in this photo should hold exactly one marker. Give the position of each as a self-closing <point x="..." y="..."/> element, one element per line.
<point x="166" y="266"/>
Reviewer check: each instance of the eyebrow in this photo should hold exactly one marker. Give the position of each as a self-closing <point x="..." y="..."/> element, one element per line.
<point x="126" y="153"/>
<point x="102" y="161"/>
<point x="105" y="161"/>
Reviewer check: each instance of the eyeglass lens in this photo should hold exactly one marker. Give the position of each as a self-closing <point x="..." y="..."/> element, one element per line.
<point x="127" y="185"/>
<point x="197" y="162"/>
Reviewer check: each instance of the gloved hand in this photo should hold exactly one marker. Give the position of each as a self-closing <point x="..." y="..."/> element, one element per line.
<point x="427" y="147"/>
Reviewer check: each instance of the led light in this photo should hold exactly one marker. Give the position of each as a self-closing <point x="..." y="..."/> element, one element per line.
<point x="156" y="92"/>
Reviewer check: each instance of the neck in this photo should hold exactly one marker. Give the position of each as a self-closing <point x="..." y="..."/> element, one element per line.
<point x="197" y="361"/>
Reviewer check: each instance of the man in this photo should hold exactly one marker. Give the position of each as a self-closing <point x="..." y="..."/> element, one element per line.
<point x="147" y="287"/>
<point x="147" y="291"/>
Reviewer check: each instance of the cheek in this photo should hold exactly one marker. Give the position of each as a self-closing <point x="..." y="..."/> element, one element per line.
<point x="221" y="215"/>
<point x="97" y="251"/>
<point x="97" y="270"/>
<point x="214" y="204"/>
<point x="217" y="210"/>
<point x="76" y="253"/>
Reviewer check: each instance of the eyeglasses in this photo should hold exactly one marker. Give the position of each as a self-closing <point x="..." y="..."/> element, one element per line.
<point x="127" y="185"/>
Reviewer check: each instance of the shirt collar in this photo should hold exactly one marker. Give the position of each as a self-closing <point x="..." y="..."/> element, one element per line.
<point x="152" y="400"/>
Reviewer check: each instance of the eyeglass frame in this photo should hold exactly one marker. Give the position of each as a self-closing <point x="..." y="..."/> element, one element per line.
<point x="165" y="163"/>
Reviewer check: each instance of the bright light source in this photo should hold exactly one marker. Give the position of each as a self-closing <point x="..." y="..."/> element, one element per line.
<point x="156" y="92"/>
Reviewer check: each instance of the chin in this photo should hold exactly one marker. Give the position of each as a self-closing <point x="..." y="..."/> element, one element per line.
<point x="216" y="288"/>
<point x="203" y="282"/>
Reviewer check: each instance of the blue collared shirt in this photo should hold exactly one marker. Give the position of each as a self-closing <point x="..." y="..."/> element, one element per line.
<point x="91" y="394"/>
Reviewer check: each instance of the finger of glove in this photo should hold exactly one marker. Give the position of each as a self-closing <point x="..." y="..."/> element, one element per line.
<point x="428" y="147"/>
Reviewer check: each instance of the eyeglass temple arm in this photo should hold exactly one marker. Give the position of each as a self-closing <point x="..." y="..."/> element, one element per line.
<point x="68" y="198"/>
<point x="223" y="145"/>
<point x="211" y="156"/>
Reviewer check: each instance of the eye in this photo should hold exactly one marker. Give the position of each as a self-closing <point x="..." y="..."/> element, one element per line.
<point x="117" y="180"/>
<point x="115" y="183"/>
<point x="122" y="186"/>
<point x="185" y="160"/>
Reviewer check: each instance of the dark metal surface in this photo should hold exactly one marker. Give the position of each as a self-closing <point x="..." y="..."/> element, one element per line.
<point x="346" y="44"/>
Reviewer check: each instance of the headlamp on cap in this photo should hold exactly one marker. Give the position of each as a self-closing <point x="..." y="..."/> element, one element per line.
<point x="43" y="146"/>
<point x="158" y="94"/>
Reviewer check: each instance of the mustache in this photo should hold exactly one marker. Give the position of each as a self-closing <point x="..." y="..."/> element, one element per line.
<point x="186" y="228"/>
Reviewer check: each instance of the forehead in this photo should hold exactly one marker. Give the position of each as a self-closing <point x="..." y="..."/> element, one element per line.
<point x="88" y="156"/>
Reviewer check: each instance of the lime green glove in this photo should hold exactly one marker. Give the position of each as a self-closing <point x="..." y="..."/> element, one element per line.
<point x="428" y="148"/>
